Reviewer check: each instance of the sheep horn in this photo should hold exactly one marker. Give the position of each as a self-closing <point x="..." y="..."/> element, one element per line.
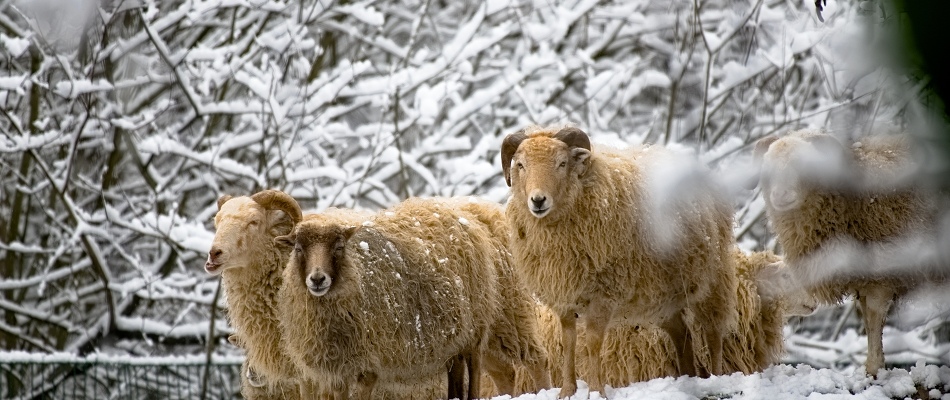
<point x="277" y="200"/>
<point x="574" y="137"/>
<point x="508" y="149"/>
<point x="223" y="199"/>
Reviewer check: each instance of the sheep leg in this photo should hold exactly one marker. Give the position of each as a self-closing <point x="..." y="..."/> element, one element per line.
<point x="676" y="328"/>
<point x="339" y="390"/>
<point x="875" y="301"/>
<point x="502" y="373"/>
<point x="539" y="375"/>
<point x="473" y="363"/>
<point x="365" y="383"/>
<point x="568" y="341"/>
<point x="595" y="326"/>
<point x="712" y="336"/>
<point x="456" y="372"/>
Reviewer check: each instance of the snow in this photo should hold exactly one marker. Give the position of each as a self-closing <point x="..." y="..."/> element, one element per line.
<point x="12" y="82"/>
<point x="361" y="12"/>
<point x="15" y="46"/>
<point x="779" y="382"/>
<point x="61" y="357"/>
<point x="74" y="88"/>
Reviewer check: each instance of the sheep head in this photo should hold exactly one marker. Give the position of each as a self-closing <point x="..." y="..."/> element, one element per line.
<point x="544" y="168"/>
<point x="775" y="283"/>
<point x="318" y="254"/>
<point x="791" y="167"/>
<point x="244" y="225"/>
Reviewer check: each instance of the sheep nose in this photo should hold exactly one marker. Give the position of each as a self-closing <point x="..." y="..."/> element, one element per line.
<point x="317" y="282"/>
<point x="538" y="201"/>
<point x="215" y="253"/>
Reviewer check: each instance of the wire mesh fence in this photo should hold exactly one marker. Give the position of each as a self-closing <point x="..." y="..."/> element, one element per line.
<point x="60" y="376"/>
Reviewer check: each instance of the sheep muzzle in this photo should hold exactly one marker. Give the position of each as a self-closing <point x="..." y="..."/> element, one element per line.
<point x="216" y="258"/>
<point x="318" y="283"/>
<point x="539" y="203"/>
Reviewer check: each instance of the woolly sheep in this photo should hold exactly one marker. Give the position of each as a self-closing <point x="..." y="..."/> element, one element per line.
<point x="514" y="338"/>
<point x="580" y="236"/>
<point x="250" y="264"/>
<point x="758" y="341"/>
<point x="841" y="214"/>
<point x="394" y="300"/>
<point x="634" y="353"/>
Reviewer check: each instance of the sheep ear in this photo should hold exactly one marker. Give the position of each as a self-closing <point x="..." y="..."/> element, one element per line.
<point x="827" y="144"/>
<point x="223" y="199"/>
<point x="288" y="240"/>
<point x="349" y="231"/>
<point x="774" y="281"/>
<point x="508" y="148"/>
<point x="234" y="340"/>
<point x="761" y="146"/>
<point x="581" y="159"/>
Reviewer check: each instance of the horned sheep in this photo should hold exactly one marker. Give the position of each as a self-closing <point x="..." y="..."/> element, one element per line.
<point x="851" y="220"/>
<point x="394" y="299"/>
<point x="580" y="221"/>
<point x="250" y="264"/>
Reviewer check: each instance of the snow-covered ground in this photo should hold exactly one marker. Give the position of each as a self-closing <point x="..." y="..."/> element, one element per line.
<point x="781" y="382"/>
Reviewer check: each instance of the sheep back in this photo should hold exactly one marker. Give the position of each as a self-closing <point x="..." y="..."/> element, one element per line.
<point x="439" y="237"/>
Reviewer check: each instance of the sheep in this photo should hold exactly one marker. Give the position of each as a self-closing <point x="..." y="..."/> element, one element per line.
<point x="580" y="236"/>
<point x="633" y="353"/>
<point x="758" y="341"/>
<point x="243" y="253"/>
<point x="514" y="341"/>
<point x="841" y="214"/>
<point x="394" y="299"/>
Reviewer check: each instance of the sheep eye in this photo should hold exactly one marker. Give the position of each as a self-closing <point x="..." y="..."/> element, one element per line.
<point x="562" y="164"/>
<point x="521" y="166"/>
<point x="298" y="248"/>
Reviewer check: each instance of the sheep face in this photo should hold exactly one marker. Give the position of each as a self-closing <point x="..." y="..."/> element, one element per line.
<point x="242" y="225"/>
<point x="544" y="170"/>
<point x="318" y="255"/>
<point x="794" y="166"/>
<point x="775" y="283"/>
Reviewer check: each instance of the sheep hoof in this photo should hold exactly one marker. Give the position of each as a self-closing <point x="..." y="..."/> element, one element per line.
<point x="567" y="391"/>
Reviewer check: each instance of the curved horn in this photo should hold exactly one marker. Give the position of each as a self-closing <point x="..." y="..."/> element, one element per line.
<point x="223" y="199"/>
<point x="277" y="200"/>
<point x="574" y="137"/>
<point x="508" y="149"/>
